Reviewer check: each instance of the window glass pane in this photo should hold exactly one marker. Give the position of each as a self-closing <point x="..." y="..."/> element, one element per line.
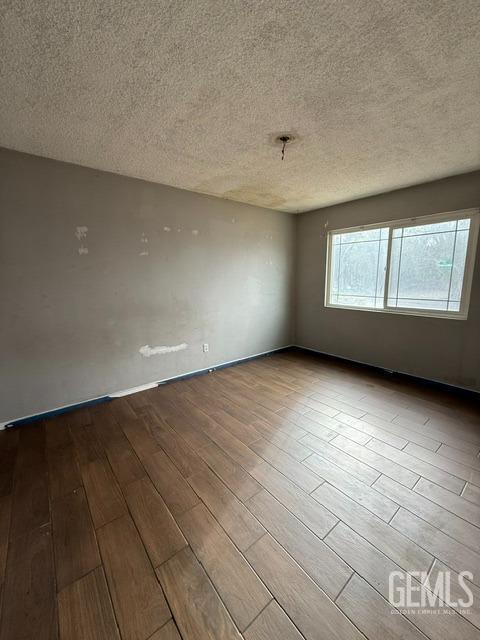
<point x="464" y="224"/>
<point x="436" y="227"/>
<point x="459" y="266"/>
<point x="427" y="267"/>
<point x="358" y="266"/>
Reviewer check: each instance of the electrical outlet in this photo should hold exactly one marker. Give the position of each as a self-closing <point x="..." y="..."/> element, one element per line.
<point x="205" y="347"/>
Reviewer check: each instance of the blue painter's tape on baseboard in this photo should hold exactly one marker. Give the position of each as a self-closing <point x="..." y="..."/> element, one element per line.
<point x="57" y="412"/>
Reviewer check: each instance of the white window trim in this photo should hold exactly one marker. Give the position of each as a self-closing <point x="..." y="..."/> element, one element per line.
<point x="473" y="214"/>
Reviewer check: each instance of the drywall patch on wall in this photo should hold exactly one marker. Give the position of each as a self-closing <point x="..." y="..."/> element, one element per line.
<point x="144" y="242"/>
<point x="148" y="351"/>
<point x="81" y="234"/>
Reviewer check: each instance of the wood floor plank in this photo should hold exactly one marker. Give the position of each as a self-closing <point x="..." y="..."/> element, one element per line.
<point x="371" y="456"/>
<point x="30" y="507"/>
<point x="9" y="439"/>
<point x="362" y="493"/>
<point x="359" y="600"/>
<point x="29" y="604"/>
<point x="278" y="422"/>
<point x="239" y="587"/>
<point x="449" y="466"/>
<point x="184" y="457"/>
<point x="85" y="610"/>
<point x="243" y="432"/>
<point x="57" y="432"/>
<point x="234" y="517"/>
<point x="169" y="631"/>
<point x="417" y="466"/>
<point x="458" y="505"/>
<point x="469" y="459"/>
<point x="311" y="553"/>
<point x="142" y="441"/>
<point x="299" y="474"/>
<point x="125" y="465"/>
<point x="296" y="449"/>
<point x="311" y="610"/>
<point x="371" y="430"/>
<point x="157" y="527"/>
<point x="122" y="410"/>
<point x="337" y="404"/>
<point x="63" y="471"/>
<point x="245" y="456"/>
<point x="400" y="548"/>
<point x="170" y="483"/>
<point x="74" y="541"/>
<point x="138" y="601"/>
<point x="348" y="463"/>
<point x="233" y="475"/>
<point x="79" y="417"/>
<point x="453" y="553"/>
<point x="307" y="424"/>
<point x="272" y="623"/>
<point x="193" y="436"/>
<point x="87" y="445"/>
<point x="471" y="493"/>
<point x="107" y="428"/>
<point x="301" y="504"/>
<point x="399" y="431"/>
<point x="312" y="403"/>
<point x="104" y="496"/>
<point x="184" y="582"/>
<point x="339" y="427"/>
<point x="5" y="510"/>
<point x="450" y="524"/>
<point x="454" y="437"/>
<point x="375" y="568"/>
<point x="457" y="591"/>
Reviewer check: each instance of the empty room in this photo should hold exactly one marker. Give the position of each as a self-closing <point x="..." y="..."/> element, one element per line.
<point x="240" y="320"/>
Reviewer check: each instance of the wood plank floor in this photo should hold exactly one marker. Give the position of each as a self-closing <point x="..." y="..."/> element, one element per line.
<point x="270" y="500"/>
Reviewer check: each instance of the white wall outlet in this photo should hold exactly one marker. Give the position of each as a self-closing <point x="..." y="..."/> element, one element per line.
<point x="205" y="347"/>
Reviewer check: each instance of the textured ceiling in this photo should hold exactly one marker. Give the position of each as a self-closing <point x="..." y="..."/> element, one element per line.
<point x="380" y="94"/>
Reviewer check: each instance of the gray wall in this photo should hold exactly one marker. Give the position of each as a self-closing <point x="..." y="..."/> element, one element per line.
<point x="72" y="324"/>
<point x="439" y="349"/>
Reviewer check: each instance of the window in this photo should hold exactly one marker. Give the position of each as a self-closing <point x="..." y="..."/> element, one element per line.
<point x="421" y="266"/>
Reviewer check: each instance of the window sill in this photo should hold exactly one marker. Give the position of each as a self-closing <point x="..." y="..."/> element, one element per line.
<point x="404" y="312"/>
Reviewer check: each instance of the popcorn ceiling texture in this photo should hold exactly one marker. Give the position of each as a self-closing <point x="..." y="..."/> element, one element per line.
<point x="381" y="94"/>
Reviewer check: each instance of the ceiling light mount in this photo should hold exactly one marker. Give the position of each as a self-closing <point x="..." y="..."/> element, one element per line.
<point x="282" y="140"/>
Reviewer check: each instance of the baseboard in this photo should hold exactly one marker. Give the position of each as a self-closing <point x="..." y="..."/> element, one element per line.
<point x="464" y="391"/>
<point x="126" y="392"/>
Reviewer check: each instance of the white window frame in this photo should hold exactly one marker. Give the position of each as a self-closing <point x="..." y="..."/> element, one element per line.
<point x="462" y="314"/>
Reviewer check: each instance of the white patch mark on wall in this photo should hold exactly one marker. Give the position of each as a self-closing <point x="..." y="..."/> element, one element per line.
<point x="148" y="351"/>
<point x="144" y="241"/>
<point x="81" y="234"/>
<point x="195" y="232"/>
<point x="233" y="220"/>
<point x="179" y="230"/>
<point x="167" y="229"/>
